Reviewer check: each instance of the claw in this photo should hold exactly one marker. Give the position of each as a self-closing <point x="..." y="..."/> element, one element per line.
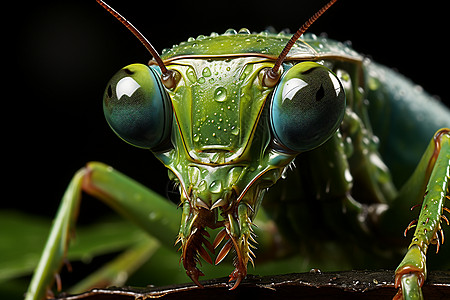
<point x="194" y="274"/>
<point x="240" y="270"/>
<point x="236" y="284"/>
<point x="195" y="244"/>
<point x="238" y="274"/>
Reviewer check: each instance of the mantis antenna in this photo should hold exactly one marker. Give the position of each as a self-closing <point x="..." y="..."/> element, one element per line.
<point x="272" y="75"/>
<point x="168" y="76"/>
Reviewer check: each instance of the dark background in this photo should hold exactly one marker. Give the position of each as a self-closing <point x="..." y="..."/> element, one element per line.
<point x="60" y="55"/>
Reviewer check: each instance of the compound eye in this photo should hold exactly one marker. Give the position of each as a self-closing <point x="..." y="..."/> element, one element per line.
<point x="307" y="106"/>
<point x="137" y="106"/>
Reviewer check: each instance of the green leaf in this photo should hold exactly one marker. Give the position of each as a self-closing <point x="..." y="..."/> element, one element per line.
<point x="23" y="236"/>
<point x="22" y="239"/>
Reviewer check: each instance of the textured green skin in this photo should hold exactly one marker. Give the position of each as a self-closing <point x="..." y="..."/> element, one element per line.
<point x="388" y="94"/>
<point x="205" y="125"/>
<point x="335" y="202"/>
<point x="268" y="44"/>
<point x="349" y="162"/>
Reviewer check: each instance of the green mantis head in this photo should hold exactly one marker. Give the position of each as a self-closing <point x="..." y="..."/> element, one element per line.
<point x="226" y="124"/>
<point x="224" y="135"/>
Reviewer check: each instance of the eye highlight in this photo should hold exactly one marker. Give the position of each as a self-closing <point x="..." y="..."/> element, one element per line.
<point x="307" y="107"/>
<point x="137" y="107"/>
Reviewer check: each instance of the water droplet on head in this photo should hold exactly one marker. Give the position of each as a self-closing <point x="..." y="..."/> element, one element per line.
<point x="206" y="72"/>
<point x="190" y="73"/>
<point x="244" y="31"/>
<point x="215" y="186"/>
<point x="202" y="186"/>
<point x="220" y="94"/>
<point x="230" y="31"/>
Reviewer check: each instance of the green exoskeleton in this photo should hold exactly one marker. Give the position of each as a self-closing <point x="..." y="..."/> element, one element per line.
<point x="230" y="114"/>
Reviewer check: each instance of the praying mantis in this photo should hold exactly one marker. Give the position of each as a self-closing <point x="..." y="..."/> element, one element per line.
<point x="230" y="114"/>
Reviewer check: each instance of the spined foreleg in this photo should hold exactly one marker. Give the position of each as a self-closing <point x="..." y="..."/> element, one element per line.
<point x="411" y="273"/>
<point x="145" y="208"/>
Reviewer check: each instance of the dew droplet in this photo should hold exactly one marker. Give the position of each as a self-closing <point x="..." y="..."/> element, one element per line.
<point x="230" y="31"/>
<point x="215" y="186"/>
<point x="234" y="130"/>
<point x="206" y="72"/>
<point x="190" y="73"/>
<point x="220" y="94"/>
<point x="244" y="31"/>
<point x="196" y="137"/>
<point x="202" y="186"/>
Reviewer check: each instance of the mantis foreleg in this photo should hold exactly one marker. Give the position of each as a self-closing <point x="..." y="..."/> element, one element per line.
<point x="411" y="273"/>
<point x="147" y="209"/>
